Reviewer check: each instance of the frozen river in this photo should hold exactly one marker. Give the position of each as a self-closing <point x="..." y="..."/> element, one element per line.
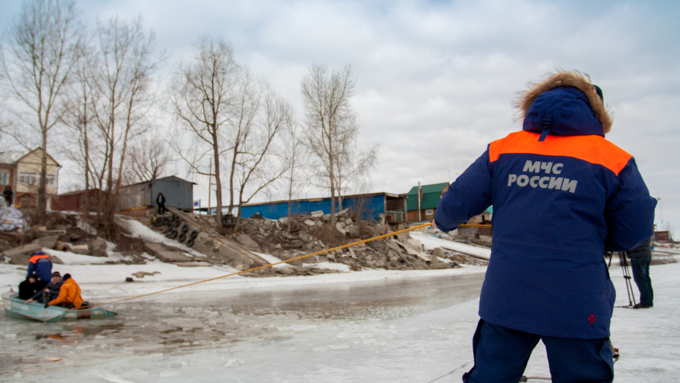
<point x="178" y="327"/>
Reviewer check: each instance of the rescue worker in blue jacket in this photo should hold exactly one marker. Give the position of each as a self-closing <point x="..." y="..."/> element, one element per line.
<point x="562" y="195"/>
<point x="40" y="264"/>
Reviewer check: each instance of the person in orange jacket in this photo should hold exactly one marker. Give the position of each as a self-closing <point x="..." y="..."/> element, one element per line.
<point x="69" y="294"/>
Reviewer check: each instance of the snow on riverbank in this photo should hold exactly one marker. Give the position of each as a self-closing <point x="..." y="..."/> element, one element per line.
<point x="432" y="242"/>
<point x="139" y="230"/>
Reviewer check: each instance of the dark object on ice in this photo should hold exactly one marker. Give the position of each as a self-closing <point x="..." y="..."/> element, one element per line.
<point x="641" y="306"/>
<point x="129" y="279"/>
<point x="623" y="260"/>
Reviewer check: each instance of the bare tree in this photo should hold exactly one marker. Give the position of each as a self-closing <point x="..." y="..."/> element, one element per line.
<point x="202" y="96"/>
<point x="122" y="95"/>
<point x="293" y="153"/>
<point x="78" y="137"/>
<point x="149" y="159"/>
<point x="39" y="53"/>
<point x="259" y="117"/>
<point x="352" y="166"/>
<point x="331" y="129"/>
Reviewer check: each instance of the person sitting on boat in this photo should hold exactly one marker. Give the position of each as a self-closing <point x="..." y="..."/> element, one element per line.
<point x="69" y="294"/>
<point x="40" y="264"/>
<point x="31" y="286"/>
<point x="51" y="290"/>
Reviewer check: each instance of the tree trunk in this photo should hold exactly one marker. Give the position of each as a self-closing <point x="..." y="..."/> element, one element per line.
<point x="332" y="178"/>
<point x="42" y="189"/>
<point x="218" y="181"/>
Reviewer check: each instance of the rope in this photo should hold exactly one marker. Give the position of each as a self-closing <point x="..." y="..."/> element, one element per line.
<point x="266" y="266"/>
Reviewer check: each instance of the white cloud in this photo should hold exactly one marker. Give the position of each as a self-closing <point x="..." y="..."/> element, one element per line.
<point x="436" y="80"/>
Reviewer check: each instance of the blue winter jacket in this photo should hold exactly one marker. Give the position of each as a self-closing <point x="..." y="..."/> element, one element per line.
<point x="40" y="264"/>
<point x="562" y="195"/>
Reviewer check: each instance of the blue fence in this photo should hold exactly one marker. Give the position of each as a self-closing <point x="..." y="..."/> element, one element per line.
<point x="368" y="206"/>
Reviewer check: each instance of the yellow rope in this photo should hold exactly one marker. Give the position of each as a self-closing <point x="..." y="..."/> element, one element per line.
<point x="270" y="265"/>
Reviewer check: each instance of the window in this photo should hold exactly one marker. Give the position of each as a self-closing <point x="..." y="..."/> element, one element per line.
<point x="4" y="178"/>
<point x="32" y="179"/>
<point x="28" y="178"/>
<point x="429" y="212"/>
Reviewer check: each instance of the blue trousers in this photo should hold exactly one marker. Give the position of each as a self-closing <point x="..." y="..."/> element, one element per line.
<point x="501" y="356"/>
<point x="642" y="279"/>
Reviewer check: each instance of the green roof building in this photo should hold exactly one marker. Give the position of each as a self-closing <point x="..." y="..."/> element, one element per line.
<point x="429" y="199"/>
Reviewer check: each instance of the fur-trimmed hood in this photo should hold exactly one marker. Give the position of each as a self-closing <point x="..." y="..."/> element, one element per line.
<point x="565" y="79"/>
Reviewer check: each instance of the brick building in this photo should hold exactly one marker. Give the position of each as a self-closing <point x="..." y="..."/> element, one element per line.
<point x="21" y="171"/>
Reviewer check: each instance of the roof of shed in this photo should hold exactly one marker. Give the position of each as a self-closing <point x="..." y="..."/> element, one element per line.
<point x="431" y="196"/>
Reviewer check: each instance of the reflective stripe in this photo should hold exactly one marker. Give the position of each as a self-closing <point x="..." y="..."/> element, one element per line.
<point x="35" y="258"/>
<point x="592" y="149"/>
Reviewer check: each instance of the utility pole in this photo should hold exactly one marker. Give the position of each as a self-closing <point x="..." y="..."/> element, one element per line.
<point x="209" y="186"/>
<point x="420" y="191"/>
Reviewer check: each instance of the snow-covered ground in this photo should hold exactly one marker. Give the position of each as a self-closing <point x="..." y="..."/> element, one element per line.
<point x="430" y="243"/>
<point x="388" y="342"/>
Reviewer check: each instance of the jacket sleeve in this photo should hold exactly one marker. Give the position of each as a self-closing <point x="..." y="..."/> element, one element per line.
<point x="630" y="212"/>
<point x="63" y="291"/>
<point x="39" y="293"/>
<point x="469" y="196"/>
<point x="31" y="268"/>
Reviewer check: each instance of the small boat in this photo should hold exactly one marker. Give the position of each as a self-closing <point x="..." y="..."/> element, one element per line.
<point x="18" y="308"/>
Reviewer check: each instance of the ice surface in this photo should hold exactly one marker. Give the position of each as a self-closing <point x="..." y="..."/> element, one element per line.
<point x="376" y="326"/>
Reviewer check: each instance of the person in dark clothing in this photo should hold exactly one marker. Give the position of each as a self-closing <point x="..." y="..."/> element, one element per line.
<point x="7" y="193"/>
<point x="40" y="264"/>
<point x="160" y="200"/>
<point x="51" y="290"/>
<point x="640" y="259"/>
<point x="562" y="195"/>
<point x="30" y="286"/>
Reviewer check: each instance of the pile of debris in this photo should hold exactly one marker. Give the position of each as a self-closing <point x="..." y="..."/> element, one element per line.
<point x="61" y="232"/>
<point x="313" y="233"/>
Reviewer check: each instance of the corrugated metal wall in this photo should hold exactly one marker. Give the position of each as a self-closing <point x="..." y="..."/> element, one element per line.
<point x="177" y="193"/>
<point x="370" y="207"/>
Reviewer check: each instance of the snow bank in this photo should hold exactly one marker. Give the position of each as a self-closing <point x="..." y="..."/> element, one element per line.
<point x="70" y="258"/>
<point x="139" y="230"/>
<point x="432" y="242"/>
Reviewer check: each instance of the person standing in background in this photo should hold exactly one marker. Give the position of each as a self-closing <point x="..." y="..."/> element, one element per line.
<point x="160" y="200"/>
<point x="8" y="193"/>
<point x="640" y="259"/>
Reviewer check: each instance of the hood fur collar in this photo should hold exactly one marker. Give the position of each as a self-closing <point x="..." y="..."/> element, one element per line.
<point x="566" y="78"/>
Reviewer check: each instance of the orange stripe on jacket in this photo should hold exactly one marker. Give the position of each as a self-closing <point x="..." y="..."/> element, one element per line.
<point x="594" y="149"/>
<point x="35" y="258"/>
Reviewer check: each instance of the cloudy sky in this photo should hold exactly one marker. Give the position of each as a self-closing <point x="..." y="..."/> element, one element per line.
<point x="437" y="79"/>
